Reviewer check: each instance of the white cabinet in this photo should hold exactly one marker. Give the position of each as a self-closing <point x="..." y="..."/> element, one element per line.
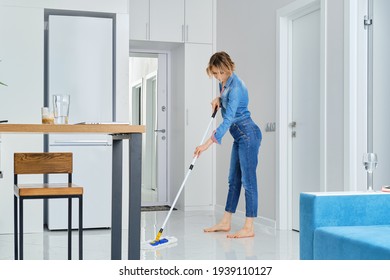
<point x="199" y="93"/>
<point x="156" y="20"/>
<point x="171" y="20"/>
<point x="139" y="19"/>
<point x="190" y="116"/>
<point x="199" y="21"/>
<point x="167" y="20"/>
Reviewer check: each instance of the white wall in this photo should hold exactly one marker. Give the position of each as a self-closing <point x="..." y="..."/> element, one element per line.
<point x="20" y="102"/>
<point x="247" y="31"/>
<point x="335" y="95"/>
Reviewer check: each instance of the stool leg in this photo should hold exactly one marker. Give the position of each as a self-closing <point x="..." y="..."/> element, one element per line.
<point x="80" y="227"/>
<point x="21" y="229"/>
<point x="69" y="228"/>
<point x="16" y="227"/>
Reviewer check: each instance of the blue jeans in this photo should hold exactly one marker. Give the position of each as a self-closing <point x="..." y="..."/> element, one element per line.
<point x="244" y="158"/>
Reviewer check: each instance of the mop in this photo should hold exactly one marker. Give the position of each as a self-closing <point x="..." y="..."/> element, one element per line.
<point x="167" y="241"/>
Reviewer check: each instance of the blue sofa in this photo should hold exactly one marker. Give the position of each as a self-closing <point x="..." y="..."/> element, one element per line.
<point x="345" y="226"/>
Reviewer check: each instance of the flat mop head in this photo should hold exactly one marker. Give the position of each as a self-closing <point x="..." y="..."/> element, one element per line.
<point x="165" y="242"/>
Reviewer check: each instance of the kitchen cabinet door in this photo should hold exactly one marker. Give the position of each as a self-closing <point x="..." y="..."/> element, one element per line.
<point x="199" y="21"/>
<point x="167" y="20"/>
<point x="171" y="20"/>
<point x="139" y="19"/>
<point x="199" y="93"/>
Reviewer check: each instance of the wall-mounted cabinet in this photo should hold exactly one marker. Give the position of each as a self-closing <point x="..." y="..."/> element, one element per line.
<point x="139" y="19"/>
<point x="199" y="21"/>
<point x="167" y="20"/>
<point x="171" y="20"/>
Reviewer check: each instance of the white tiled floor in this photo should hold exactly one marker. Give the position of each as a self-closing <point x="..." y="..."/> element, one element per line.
<point x="187" y="227"/>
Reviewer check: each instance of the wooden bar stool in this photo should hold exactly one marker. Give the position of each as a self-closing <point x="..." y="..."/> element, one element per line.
<point x="45" y="163"/>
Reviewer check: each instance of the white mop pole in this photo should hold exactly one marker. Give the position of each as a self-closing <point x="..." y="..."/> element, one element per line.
<point x="185" y="179"/>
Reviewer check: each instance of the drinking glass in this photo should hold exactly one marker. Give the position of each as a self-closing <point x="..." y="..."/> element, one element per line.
<point x="47" y="116"/>
<point x="61" y="108"/>
<point x="370" y="161"/>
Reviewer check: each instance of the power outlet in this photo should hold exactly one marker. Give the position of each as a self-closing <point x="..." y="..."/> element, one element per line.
<point x="270" y="127"/>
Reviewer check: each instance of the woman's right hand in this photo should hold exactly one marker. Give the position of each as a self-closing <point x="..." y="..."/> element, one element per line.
<point x="215" y="104"/>
<point x="203" y="147"/>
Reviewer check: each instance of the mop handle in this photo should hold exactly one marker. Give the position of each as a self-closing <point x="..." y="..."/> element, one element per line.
<point x="189" y="171"/>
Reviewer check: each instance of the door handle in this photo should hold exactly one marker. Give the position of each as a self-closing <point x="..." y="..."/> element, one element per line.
<point x="160" y="130"/>
<point x="81" y="143"/>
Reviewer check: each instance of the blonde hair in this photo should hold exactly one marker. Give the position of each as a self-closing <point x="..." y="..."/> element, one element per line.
<point x="220" y="60"/>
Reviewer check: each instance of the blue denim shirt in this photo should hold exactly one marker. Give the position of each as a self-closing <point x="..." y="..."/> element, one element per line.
<point x="234" y="105"/>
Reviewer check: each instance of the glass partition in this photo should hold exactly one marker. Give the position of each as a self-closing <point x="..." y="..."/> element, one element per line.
<point x="379" y="40"/>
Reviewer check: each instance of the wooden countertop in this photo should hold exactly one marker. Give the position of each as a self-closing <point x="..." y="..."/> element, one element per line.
<point x="113" y="128"/>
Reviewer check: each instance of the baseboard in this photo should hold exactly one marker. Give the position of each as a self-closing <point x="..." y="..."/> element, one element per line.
<point x="199" y="208"/>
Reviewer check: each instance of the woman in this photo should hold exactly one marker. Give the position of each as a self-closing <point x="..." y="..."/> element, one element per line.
<point x="233" y="102"/>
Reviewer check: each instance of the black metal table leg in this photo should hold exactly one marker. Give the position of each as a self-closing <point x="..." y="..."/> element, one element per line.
<point x="135" y="176"/>
<point x="135" y="171"/>
<point x="116" y="206"/>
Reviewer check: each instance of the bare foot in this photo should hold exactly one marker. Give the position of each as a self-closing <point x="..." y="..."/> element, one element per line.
<point x="246" y="231"/>
<point x="223" y="225"/>
<point x="218" y="227"/>
<point x="242" y="233"/>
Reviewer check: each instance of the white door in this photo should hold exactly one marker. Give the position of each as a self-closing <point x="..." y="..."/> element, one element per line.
<point x="305" y="108"/>
<point x="148" y="77"/>
<point x="161" y="129"/>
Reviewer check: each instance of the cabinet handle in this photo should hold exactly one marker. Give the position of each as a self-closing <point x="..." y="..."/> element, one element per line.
<point x="182" y="33"/>
<point x="147" y="32"/>
<point x="187" y="33"/>
<point x="187" y="116"/>
<point x="81" y="143"/>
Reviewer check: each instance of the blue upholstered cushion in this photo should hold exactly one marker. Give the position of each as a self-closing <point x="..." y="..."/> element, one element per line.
<point x="352" y="243"/>
<point x="334" y="210"/>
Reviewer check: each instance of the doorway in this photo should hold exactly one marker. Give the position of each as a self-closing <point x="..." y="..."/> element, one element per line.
<point x="301" y="139"/>
<point x="148" y="107"/>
